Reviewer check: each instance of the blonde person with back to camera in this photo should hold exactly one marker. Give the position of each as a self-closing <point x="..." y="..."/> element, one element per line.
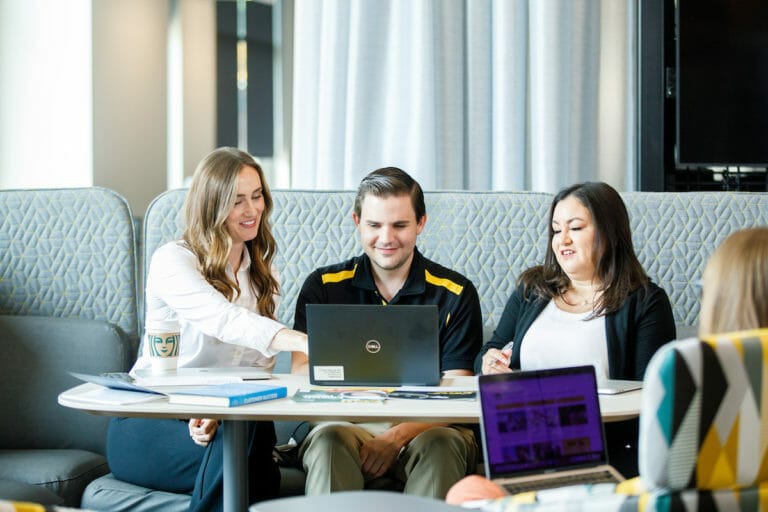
<point x="735" y="284"/>
<point x="734" y="304"/>
<point x="589" y="303"/>
<point x="218" y="283"/>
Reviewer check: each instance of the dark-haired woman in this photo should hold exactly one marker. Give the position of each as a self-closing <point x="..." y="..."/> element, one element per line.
<point x="590" y="302"/>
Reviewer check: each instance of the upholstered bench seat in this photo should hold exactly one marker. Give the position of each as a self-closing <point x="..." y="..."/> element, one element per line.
<point x="12" y="490"/>
<point x="63" y="472"/>
<point x="42" y="443"/>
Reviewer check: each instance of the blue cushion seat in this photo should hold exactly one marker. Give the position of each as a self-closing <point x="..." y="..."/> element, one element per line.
<point x="12" y="490"/>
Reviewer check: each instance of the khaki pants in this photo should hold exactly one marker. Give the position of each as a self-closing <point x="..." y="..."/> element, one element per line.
<point x="429" y="465"/>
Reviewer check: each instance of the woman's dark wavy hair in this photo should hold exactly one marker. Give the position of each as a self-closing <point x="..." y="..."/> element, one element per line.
<point x="617" y="267"/>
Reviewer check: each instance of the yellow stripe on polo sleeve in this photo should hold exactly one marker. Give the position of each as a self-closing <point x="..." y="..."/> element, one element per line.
<point x="445" y="283"/>
<point x="337" y="277"/>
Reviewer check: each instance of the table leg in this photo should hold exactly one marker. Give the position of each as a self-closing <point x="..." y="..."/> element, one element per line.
<point x="235" y="466"/>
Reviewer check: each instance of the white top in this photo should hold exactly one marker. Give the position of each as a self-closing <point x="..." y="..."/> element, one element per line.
<point x="558" y="338"/>
<point x="214" y="331"/>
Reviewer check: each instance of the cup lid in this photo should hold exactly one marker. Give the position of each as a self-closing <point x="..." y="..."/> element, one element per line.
<point x="162" y="325"/>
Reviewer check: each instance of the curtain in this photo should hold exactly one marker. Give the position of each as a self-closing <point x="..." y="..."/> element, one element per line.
<point x="463" y="94"/>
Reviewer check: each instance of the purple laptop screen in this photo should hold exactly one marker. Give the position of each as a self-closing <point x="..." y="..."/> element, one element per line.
<point x="537" y="420"/>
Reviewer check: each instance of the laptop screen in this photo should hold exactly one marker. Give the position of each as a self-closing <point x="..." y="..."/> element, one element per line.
<point x="372" y="345"/>
<point x="539" y="420"/>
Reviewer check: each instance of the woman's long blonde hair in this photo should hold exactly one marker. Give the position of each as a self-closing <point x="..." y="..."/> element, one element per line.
<point x="209" y="201"/>
<point x="735" y="284"/>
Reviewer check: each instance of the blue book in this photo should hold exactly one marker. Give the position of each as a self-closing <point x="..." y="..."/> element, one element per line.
<point x="228" y="395"/>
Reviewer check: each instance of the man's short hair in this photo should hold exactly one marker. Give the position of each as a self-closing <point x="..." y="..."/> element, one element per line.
<point x="391" y="181"/>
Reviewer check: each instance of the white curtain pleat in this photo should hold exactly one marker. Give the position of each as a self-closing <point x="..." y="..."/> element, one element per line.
<point x="464" y="94"/>
<point x="510" y="108"/>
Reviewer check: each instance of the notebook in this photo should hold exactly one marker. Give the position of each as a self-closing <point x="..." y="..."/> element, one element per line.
<point x="617" y="386"/>
<point x="194" y="376"/>
<point x="368" y="345"/>
<point x="542" y="429"/>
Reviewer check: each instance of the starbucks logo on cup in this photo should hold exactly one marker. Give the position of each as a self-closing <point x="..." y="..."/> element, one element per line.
<point x="164" y="344"/>
<point x="372" y="346"/>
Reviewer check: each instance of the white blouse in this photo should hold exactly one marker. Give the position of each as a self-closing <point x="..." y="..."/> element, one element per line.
<point x="558" y="338"/>
<point x="214" y="331"/>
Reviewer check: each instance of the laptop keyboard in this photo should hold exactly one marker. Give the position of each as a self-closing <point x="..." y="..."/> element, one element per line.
<point x="597" y="477"/>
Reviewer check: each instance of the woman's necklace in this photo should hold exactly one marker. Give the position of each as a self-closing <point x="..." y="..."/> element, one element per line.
<point x="579" y="302"/>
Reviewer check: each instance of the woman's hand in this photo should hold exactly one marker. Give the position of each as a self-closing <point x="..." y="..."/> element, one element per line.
<point x="202" y="431"/>
<point x="299" y="363"/>
<point x="288" y="340"/>
<point x="496" y="361"/>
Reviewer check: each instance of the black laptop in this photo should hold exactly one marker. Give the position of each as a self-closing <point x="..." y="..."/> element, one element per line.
<point x="369" y="345"/>
<point x="542" y="429"/>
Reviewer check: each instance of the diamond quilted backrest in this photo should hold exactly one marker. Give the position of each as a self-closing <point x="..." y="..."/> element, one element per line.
<point x="490" y="237"/>
<point x="702" y="423"/>
<point x="68" y="253"/>
<point x="163" y="222"/>
<point x="675" y="233"/>
<point x="312" y="229"/>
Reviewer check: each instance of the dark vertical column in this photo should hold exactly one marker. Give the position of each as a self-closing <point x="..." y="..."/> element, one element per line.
<point x="655" y="155"/>
<point x="252" y="27"/>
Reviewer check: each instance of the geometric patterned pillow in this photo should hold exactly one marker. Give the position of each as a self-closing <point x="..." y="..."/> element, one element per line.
<point x="704" y="413"/>
<point x="585" y="499"/>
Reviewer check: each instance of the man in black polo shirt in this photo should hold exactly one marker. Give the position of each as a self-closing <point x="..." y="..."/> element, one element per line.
<point x="428" y="458"/>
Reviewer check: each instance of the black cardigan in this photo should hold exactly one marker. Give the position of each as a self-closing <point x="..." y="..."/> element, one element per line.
<point x="634" y="333"/>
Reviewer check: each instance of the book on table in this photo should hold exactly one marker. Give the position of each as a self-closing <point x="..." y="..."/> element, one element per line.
<point x="228" y="395"/>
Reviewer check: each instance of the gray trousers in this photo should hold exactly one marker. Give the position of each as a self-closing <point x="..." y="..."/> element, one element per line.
<point x="429" y="465"/>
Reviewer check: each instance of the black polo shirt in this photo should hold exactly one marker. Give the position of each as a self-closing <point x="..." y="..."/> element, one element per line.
<point x="351" y="282"/>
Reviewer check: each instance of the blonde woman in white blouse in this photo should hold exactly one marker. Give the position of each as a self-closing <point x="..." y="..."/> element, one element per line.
<point x="219" y="284"/>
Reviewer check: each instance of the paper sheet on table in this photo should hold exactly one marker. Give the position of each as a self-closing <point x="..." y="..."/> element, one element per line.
<point x="109" y="396"/>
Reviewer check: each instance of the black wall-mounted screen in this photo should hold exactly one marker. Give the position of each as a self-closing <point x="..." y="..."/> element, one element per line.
<point x="722" y="83"/>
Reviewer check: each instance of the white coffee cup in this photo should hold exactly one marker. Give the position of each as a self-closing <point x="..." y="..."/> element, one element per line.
<point x="163" y="338"/>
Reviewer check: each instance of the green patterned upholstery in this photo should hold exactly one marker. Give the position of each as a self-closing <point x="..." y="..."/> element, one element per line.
<point x="690" y="500"/>
<point x="705" y="415"/>
<point x="491" y="236"/>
